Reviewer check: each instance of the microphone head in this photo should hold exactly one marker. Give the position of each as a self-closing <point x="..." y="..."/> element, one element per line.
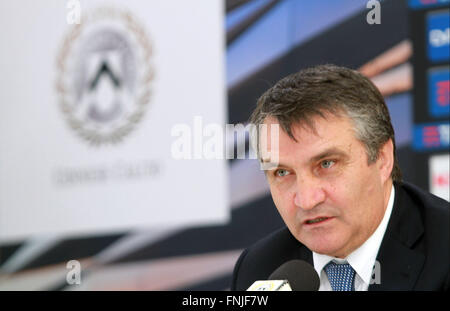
<point x="300" y="275"/>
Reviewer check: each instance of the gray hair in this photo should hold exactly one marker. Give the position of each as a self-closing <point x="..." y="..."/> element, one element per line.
<point x="316" y="91"/>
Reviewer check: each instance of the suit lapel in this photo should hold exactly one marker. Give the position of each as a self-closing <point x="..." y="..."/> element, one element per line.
<point x="399" y="262"/>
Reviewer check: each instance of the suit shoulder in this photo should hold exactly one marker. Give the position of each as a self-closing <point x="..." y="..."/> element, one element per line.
<point x="435" y="219"/>
<point x="277" y="240"/>
<point x="431" y="205"/>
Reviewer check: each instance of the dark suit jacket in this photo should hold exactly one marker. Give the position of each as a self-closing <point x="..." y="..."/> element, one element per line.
<point x="414" y="253"/>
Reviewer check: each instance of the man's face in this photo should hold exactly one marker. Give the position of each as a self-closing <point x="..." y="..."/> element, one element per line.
<point x="328" y="195"/>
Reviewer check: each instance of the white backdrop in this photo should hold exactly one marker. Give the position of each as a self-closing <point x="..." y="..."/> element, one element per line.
<point x="86" y="113"/>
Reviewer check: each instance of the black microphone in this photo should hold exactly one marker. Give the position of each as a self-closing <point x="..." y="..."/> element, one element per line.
<point x="294" y="275"/>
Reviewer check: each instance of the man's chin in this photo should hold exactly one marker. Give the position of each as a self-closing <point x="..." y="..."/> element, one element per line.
<point x="324" y="246"/>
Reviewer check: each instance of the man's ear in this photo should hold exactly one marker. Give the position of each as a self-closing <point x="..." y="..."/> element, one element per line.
<point x="385" y="161"/>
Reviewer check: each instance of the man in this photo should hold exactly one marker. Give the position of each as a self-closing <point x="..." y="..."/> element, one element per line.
<point x="337" y="185"/>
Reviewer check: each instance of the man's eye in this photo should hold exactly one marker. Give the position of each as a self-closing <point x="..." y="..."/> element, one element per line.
<point x="281" y="173"/>
<point x="327" y="164"/>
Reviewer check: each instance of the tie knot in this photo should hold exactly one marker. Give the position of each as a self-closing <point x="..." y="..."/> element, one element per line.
<point x="341" y="276"/>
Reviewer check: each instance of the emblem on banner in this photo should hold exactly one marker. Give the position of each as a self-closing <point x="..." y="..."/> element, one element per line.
<point x="104" y="75"/>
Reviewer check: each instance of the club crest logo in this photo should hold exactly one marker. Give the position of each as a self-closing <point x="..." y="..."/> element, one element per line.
<point x="104" y="75"/>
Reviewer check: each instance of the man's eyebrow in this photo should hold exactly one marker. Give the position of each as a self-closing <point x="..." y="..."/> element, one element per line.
<point x="265" y="160"/>
<point x="268" y="160"/>
<point x="275" y="165"/>
<point x="333" y="151"/>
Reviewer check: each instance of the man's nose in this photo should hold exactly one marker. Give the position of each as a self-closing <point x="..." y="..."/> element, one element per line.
<point x="309" y="192"/>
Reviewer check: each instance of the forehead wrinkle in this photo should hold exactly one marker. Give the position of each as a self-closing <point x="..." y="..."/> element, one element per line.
<point x="318" y="138"/>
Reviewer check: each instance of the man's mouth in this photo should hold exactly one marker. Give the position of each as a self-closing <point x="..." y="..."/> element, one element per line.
<point x="317" y="220"/>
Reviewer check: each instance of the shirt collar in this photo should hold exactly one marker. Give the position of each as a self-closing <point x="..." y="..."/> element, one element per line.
<point x="363" y="258"/>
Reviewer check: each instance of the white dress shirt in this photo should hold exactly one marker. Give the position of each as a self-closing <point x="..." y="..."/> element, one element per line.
<point x="362" y="259"/>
